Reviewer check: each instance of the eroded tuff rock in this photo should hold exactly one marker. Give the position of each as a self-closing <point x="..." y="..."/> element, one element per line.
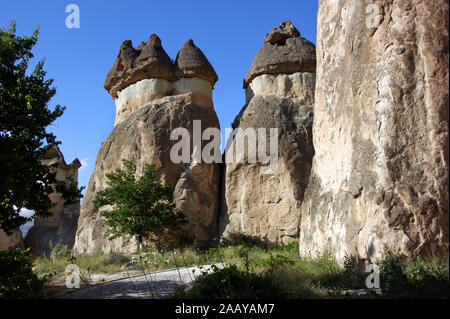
<point x="14" y="240"/>
<point x="192" y="63"/>
<point x="154" y="107"/>
<point x="142" y="75"/>
<point x="278" y="35"/>
<point x="144" y="138"/>
<point x="60" y="228"/>
<point x="284" y="51"/>
<point x="148" y="60"/>
<point x="279" y="94"/>
<point x="380" y="172"/>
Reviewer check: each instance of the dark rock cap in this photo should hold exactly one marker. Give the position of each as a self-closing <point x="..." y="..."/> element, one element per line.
<point x="54" y="156"/>
<point x="284" y="51"/>
<point x="191" y="62"/>
<point x="285" y="30"/>
<point x="148" y="60"/>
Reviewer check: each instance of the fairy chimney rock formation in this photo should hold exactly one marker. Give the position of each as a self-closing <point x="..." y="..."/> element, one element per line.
<point x="141" y="75"/>
<point x="279" y="89"/>
<point x="154" y="97"/>
<point x="283" y="52"/>
<point x="60" y="228"/>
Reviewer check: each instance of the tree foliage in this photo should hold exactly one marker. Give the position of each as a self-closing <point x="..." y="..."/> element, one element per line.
<point x="142" y="207"/>
<point x="24" y="139"/>
<point x="17" y="279"/>
<point x="69" y="190"/>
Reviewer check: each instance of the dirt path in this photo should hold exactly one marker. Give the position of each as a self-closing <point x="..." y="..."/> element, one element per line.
<point x="154" y="285"/>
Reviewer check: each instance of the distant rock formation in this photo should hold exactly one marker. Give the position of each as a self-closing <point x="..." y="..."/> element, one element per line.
<point x="379" y="178"/>
<point x="60" y="228"/>
<point x="14" y="240"/>
<point x="152" y="98"/>
<point x="279" y="89"/>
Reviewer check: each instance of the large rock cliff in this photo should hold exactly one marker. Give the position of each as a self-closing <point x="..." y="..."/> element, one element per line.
<point x="279" y="94"/>
<point x="380" y="172"/>
<point x="153" y="97"/>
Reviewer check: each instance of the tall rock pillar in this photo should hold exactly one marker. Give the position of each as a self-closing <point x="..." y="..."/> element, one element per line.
<point x="279" y="89"/>
<point x="153" y="97"/>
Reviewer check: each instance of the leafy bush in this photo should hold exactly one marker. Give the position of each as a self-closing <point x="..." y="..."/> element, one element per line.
<point x="419" y="278"/>
<point x="328" y="274"/>
<point x="274" y="262"/>
<point x="231" y="283"/>
<point x="144" y="207"/>
<point x="239" y="239"/>
<point x="60" y="251"/>
<point x="17" y="279"/>
<point x="287" y="248"/>
<point x="152" y="257"/>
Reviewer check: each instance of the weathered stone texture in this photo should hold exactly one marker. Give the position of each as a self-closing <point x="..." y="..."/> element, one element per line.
<point x="266" y="206"/>
<point x="142" y="75"/>
<point x="60" y="228"/>
<point x="148" y="60"/>
<point x="380" y="172"/>
<point x="144" y="138"/>
<point x="192" y="63"/>
<point x="14" y="240"/>
<point x="150" y="104"/>
<point x="288" y="54"/>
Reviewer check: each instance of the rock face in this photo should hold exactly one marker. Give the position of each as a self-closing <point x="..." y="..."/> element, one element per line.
<point x="61" y="227"/>
<point x="279" y="94"/>
<point x="380" y="172"/>
<point x="150" y="105"/>
<point x="14" y="240"/>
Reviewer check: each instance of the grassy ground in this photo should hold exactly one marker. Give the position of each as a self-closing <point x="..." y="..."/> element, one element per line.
<point x="255" y="270"/>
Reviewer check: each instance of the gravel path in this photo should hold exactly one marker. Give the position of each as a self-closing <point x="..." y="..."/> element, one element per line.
<point x="154" y="285"/>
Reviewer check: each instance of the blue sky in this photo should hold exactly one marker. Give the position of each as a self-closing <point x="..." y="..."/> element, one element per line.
<point x="228" y="32"/>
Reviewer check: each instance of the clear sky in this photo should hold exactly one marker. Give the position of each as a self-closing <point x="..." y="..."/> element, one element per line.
<point x="229" y="32"/>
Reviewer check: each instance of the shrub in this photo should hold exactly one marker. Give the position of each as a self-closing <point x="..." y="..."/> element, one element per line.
<point x="17" y="279"/>
<point x="144" y="207"/>
<point x="419" y="278"/>
<point x="231" y="283"/>
<point x="60" y="251"/>
<point x="274" y="262"/>
<point x="239" y="239"/>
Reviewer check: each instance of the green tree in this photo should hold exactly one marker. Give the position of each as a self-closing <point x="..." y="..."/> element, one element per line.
<point x="17" y="279"/>
<point x="24" y="139"/>
<point x="142" y="207"/>
<point x="69" y="190"/>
